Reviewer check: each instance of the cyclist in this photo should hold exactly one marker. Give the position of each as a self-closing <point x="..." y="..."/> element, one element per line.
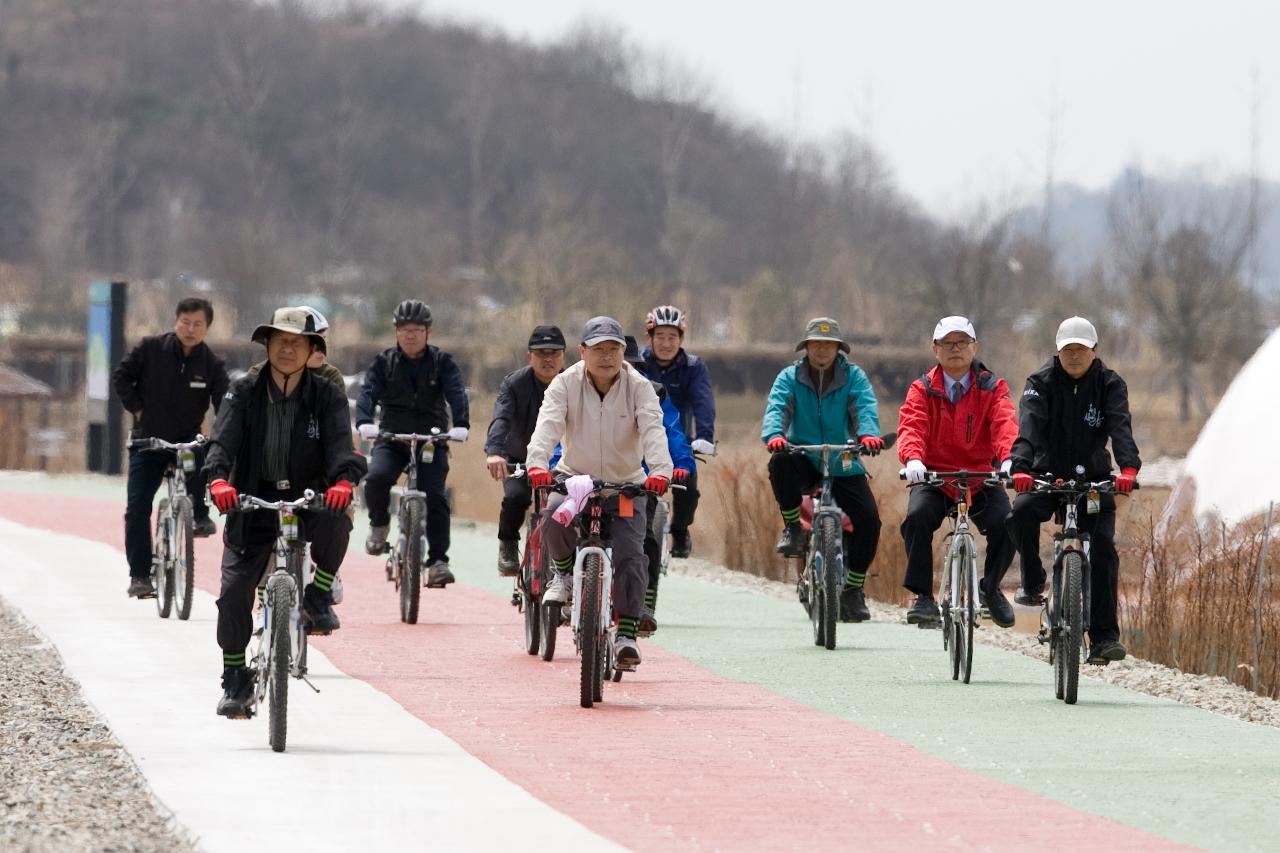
<point x="608" y="422"/>
<point x="279" y="433"/>
<point x="957" y="417"/>
<point x="688" y="385"/>
<point x="1070" y="408"/>
<point x="823" y="398"/>
<point x="167" y="383"/>
<point x="682" y="458"/>
<point x="413" y="382"/>
<point x="515" y="412"/>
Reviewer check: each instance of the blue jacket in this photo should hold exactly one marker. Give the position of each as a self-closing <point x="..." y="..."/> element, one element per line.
<point x="846" y="410"/>
<point x="681" y="454"/>
<point x="688" y="385"/>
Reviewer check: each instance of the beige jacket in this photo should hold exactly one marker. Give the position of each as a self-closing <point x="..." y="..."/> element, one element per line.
<point x="606" y="438"/>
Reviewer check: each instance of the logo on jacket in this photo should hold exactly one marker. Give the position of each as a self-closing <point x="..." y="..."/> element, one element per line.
<point x="1031" y="392"/>
<point x="313" y="427"/>
<point x="1093" y="417"/>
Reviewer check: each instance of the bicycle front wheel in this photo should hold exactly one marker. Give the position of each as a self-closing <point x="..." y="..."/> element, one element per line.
<point x="968" y="607"/>
<point x="827" y="543"/>
<point x="530" y="571"/>
<point x="161" y="561"/>
<point x="184" y="558"/>
<point x="589" y="630"/>
<point x="1071" y="622"/>
<point x="411" y="561"/>
<point x="280" y="598"/>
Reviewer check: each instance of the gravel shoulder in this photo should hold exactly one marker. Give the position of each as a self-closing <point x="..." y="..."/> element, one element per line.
<point x="65" y="782"/>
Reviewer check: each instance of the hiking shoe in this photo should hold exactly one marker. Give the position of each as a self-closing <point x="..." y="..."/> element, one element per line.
<point x="681" y="544"/>
<point x="1103" y="653"/>
<point x="626" y="654"/>
<point x="648" y="622"/>
<point x="791" y="542"/>
<point x="377" y="541"/>
<point x="237" y="694"/>
<point x="924" y="612"/>
<point x="141" y="588"/>
<point x="560" y="589"/>
<point x="204" y="527"/>
<point x="508" y="559"/>
<point x="438" y="574"/>
<point x="999" y="606"/>
<point x="853" y="605"/>
<point x="317" y="611"/>
<point x="1033" y="598"/>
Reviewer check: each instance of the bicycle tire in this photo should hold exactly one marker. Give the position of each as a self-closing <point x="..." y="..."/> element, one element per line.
<point x="183" y="569"/>
<point x="1073" y="619"/>
<point x="950" y="639"/>
<point x="296" y="559"/>
<point x="588" y="629"/>
<point x="530" y="566"/>
<point x="969" y="611"/>
<point x="550" y="624"/>
<point x="602" y="664"/>
<point x="161" y="565"/>
<point x="411" y="562"/>
<point x="280" y="593"/>
<point x="828" y="544"/>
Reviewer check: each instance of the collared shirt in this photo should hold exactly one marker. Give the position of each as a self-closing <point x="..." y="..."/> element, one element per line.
<point x="964" y="383"/>
<point x="275" y="449"/>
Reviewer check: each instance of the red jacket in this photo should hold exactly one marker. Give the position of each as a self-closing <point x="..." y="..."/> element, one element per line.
<point x="974" y="435"/>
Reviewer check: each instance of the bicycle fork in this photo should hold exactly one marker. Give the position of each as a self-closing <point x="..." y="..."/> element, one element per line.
<point x="606" y="586"/>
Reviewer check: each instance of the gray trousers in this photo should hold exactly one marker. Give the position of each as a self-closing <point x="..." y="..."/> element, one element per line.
<point x="630" y="566"/>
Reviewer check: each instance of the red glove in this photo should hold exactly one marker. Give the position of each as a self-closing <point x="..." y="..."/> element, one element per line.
<point x="224" y="495"/>
<point x="873" y="443"/>
<point x="1023" y="483"/>
<point x="657" y="484"/>
<point x="539" y="477"/>
<point x="679" y="475"/>
<point x="1125" y="482"/>
<point x="777" y="444"/>
<point x="338" y="496"/>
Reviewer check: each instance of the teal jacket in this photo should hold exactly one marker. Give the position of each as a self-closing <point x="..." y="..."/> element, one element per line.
<point x="845" y="410"/>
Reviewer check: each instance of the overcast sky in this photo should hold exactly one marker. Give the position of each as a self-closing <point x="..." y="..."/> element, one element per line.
<point x="958" y="96"/>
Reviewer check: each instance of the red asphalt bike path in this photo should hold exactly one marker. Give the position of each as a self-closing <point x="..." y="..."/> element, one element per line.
<point x="676" y="757"/>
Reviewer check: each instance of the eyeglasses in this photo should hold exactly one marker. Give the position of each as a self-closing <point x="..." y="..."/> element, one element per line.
<point x="954" y="346"/>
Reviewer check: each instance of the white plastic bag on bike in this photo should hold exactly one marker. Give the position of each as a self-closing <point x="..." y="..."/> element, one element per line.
<point x="577" y="490"/>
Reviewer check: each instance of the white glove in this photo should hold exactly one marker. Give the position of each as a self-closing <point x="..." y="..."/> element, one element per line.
<point x="915" y="471"/>
<point x="1006" y="467"/>
<point x="368" y="431"/>
<point x="459" y="434"/>
<point x="706" y="448"/>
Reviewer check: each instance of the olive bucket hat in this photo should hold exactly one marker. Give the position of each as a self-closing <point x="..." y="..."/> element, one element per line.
<point x="822" y="329"/>
<point x="295" y="321"/>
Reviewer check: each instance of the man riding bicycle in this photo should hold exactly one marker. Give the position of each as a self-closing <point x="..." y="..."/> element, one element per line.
<point x="1070" y="408"/>
<point x="608" y="421"/>
<point x="688" y="386"/>
<point x="957" y="417"/>
<point x="278" y="434"/>
<point x="823" y="398"/>
<point x="167" y="383"/>
<point x="515" y="413"/>
<point x="413" y="382"/>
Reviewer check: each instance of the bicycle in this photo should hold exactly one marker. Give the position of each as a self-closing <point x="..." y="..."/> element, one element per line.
<point x="958" y="588"/>
<point x="535" y="568"/>
<point x="1065" y="612"/>
<point x="173" y="556"/>
<point x="404" y="565"/>
<point x="281" y="649"/>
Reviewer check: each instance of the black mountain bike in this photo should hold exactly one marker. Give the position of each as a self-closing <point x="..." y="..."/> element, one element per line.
<point x="173" y="555"/>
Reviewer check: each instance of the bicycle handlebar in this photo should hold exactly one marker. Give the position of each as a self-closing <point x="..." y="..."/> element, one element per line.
<point x="853" y="447"/>
<point x="937" y="478"/>
<point x="152" y="443"/>
<point x="1076" y="487"/>
<point x="606" y="488"/>
<point x="434" y="438"/>
<point x="309" y="500"/>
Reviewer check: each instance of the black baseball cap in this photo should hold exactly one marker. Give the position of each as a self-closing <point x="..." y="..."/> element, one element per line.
<point x="546" y="337"/>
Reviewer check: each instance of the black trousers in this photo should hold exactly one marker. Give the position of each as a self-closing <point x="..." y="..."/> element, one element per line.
<point x="652" y="542"/>
<point x="792" y="477"/>
<point x="385" y="464"/>
<point x="242" y="566"/>
<point x="626" y="539"/>
<point x="517" y="497"/>
<point x="685" y="503"/>
<point x="927" y="507"/>
<point x="146" y="473"/>
<point x="1030" y="511"/>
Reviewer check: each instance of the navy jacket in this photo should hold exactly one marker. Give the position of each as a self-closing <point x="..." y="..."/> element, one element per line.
<point x="515" y="414"/>
<point x="688" y="385"/>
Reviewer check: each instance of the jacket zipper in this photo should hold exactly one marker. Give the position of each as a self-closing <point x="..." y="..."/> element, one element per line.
<point x="969" y="430"/>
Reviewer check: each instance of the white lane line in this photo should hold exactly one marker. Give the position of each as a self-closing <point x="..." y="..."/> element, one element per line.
<point x="360" y="771"/>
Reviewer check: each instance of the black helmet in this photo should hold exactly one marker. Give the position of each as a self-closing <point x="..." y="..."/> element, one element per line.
<point x="412" y="311"/>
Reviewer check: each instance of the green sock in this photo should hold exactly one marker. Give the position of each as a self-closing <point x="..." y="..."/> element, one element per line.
<point x="565" y="565"/>
<point x="323" y="580"/>
<point x="230" y="661"/>
<point x="791" y="516"/>
<point x="628" y="626"/>
<point x="855" y="579"/>
<point x="651" y="598"/>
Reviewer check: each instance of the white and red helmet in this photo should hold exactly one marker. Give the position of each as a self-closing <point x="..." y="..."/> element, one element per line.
<point x="665" y="315"/>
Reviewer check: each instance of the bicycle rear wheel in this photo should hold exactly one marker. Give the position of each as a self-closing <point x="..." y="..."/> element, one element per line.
<point x="550" y="623"/>
<point x="827" y="542"/>
<point x="1071" y="620"/>
<point x="411" y="561"/>
<point x="183" y="564"/>
<point x="589" y="630"/>
<point x="161" y="561"/>
<point x="280" y="598"/>
<point x="530" y="571"/>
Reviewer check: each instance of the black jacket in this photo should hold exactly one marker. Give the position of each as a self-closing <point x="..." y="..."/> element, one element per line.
<point x="515" y="414"/>
<point x="172" y="391"/>
<point x="320" y="451"/>
<point x="409" y="405"/>
<point x="1065" y="422"/>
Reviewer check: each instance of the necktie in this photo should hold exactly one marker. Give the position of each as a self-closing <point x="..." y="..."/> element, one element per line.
<point x="957" y="391"/>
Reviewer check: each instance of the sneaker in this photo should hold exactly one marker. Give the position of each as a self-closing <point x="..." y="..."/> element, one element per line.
<point x="1032" y="598"/>
<point x="205" y="527"/>
<point x="626" y="654"/>
<point x="681" y="543"/>
<point x="853" y="605"/>
<point x="237" y="694"/>
<point x="924" y="612"/>
<point x="438" y="574"/>
<point x="648" y="622"/>
<point x="560" y="589"/>
<point x="317" y="611"/>
<point x="377" y="541"/>
<point x="791" y="542"/>
<point x="508" y="559"/>
<point x="1105" y="652"/>
<point x="999" y="606"/>
<point x="141" y="588"/>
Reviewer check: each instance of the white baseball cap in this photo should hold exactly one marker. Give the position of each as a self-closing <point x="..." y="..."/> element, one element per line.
<point x="947" y="325"/>
<point x="1076" y="330"/>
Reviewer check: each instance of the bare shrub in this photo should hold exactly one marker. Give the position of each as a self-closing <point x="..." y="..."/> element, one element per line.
<point x="743" y="508"/>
